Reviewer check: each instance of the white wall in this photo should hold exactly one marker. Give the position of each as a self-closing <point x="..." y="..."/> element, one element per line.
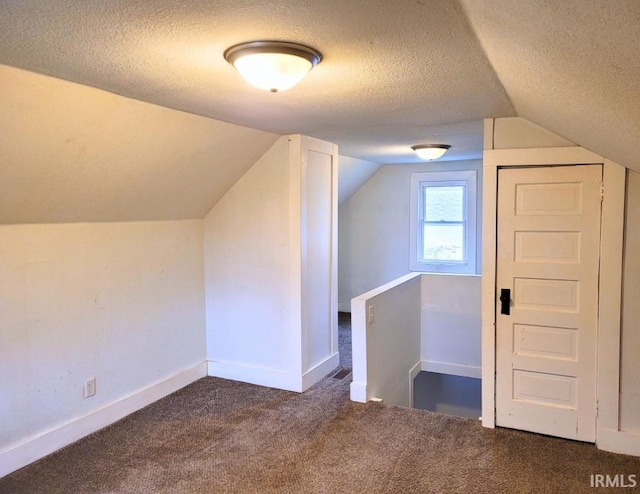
<point x="630" y="355"/>
<point x="451" y="324"/>
<point x="373" y="239"/>
<point x="520" y="133"/>
<point x="428" y="322"/>
<point x="386" y="347"/>
<point x="121" y="302"/>
<point x="247" y="267"/>
<point x="270" y="270"/>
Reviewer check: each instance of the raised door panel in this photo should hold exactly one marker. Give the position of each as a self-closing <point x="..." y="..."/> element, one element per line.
<point x="548" y="253"/>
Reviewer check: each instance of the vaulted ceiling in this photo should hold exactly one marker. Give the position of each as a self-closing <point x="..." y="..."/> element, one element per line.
<point x="394" y="73"/>
<point x="571" y="66"/>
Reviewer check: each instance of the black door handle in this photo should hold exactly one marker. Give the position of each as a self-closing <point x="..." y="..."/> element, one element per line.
<point x="505" y="301"/>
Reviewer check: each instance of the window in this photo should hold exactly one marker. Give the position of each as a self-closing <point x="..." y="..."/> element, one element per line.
<point x="443" y="222"/>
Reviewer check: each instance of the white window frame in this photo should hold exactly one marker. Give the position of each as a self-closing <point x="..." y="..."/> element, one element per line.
<point x="467" y="178"/>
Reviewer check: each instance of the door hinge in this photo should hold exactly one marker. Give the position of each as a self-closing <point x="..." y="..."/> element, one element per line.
<point x="601" y="191"/>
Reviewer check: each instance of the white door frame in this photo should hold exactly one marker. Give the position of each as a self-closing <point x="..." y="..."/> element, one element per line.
<point x="609" y="289"/>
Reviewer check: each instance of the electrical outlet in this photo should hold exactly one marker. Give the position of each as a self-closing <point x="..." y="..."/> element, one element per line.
<point x="370" y="314"/>
<point x="90" y="387"/>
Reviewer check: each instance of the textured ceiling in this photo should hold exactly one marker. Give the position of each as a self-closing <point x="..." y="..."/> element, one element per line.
<point x="394" y="71"/>
<point x="571" y="66"/>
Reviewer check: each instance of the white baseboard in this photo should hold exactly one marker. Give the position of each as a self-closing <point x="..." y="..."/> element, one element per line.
<point x="271" y="378"/>
<point x="40" y="445"/>
<point x="452" y="369"/>
<point x="358" y="392"/>
<point x="627" y="443"/>
<point x="320" y="370"/>
<point x="344" y="306"/>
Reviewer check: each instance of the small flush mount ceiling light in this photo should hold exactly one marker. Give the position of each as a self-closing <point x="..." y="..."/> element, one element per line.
<point x="272" y="65"/>
<point x="430" y="152"/>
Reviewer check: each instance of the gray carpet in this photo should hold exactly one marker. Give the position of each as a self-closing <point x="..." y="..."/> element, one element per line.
<point x="443" y="393"/>
<point x="344" y="339"/>
<point x="218" y="436"/>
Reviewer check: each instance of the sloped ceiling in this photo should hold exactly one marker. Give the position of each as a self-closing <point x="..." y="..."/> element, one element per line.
<point x="571" y="66"/>
<point x="353" y="173"/>
<point x="394" y="73"/>
<point x="70" y="153"/>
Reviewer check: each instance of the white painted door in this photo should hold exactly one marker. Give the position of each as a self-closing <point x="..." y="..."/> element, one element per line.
<point x="548" y="257"/>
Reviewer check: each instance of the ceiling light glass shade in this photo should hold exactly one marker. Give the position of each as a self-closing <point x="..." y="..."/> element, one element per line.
<point x="430" y="152"/>
<point x="272" y="65"/>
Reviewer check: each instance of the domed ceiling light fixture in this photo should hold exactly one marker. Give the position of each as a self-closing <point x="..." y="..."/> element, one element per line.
<point x="430" y="152"/>
<point x="272" y="65"/>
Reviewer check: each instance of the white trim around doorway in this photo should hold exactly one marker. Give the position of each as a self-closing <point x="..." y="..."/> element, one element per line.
<point x="608" y="435"/>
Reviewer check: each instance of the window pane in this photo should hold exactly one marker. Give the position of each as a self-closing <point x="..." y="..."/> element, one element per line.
<point x="444" y="203"/>
<point x="443" y="242"/>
